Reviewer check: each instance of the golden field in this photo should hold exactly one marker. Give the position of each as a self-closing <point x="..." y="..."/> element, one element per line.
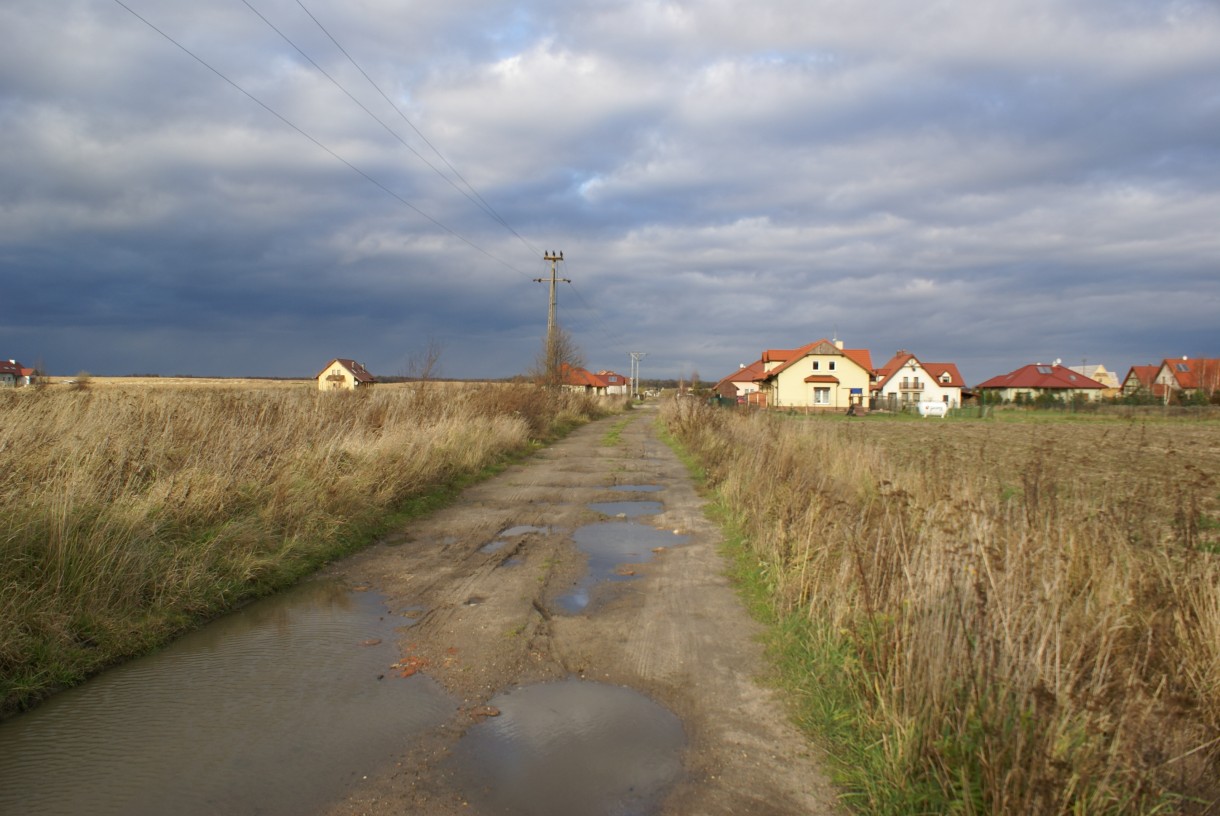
<point x="132" y="509"/>
<point x="1007" y="616"/>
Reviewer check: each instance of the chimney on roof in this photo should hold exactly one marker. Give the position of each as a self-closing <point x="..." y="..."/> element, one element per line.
<point x="1184" y="357"/>
<point x="839" y="344"/>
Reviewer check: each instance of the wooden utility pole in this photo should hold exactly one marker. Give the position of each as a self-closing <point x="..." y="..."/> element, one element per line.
<point x="552" y="341"/>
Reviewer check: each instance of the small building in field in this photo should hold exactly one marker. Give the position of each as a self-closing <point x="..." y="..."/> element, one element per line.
<point x="1035" y="380"/>
<point x="14" y="374"/>
<point x="603" y="383"/>
<point x="343" y="374"/>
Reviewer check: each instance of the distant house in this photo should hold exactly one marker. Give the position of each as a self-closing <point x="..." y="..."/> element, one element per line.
<point x="603" y="383"/>
<point x="1102" y="375"/>
<point x="905" y="380"/>
<point x="1141" y="381"/>
<point x="1189" y="376"/>
<point x="342" y="374"/>
<point x="821" y="375"/>
<point x="14" y="374"/>
<point x="1035" y="380"/>
<point x="742" y="385"/>
<point x="614" y="384"/>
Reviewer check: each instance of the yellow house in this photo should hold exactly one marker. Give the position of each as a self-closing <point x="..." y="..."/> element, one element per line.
<point x="344" y="374"/>
<point x="822" y="375"/>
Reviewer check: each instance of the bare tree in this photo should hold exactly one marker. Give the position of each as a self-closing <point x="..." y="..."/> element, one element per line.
<point x="424" y="365"/>
<point x="559" y="354"/>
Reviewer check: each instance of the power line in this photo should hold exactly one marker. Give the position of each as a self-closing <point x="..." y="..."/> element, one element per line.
<point x="490" y="210"/>
<point x="333" y="154"/>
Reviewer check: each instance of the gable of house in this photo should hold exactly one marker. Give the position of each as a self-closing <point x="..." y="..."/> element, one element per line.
<point x="1140" y="379"/>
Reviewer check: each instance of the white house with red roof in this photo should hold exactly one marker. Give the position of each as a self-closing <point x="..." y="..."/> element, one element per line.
<point x="1189" y="375"/>
<point x="13" y="374"/>
<point x="1035" y="380"/>
<point x="906" y="380"/>
<point x="821" y="375"/>
<point x="603" y="383"/>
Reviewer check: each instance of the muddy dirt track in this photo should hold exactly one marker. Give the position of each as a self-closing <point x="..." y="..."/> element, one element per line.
<point x="495" y="595"/>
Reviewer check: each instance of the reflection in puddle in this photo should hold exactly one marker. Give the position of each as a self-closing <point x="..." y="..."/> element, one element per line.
<point x="610" y="545"/>
<point x="627" y="509"/>
<point x="570" y="747"/>
<point x="274" y="709"/>
<point x="640" y="488"/>
<point x="502" y="540"/>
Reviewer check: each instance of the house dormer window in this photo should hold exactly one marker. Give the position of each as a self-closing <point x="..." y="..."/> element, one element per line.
<point x="945" y="378"/>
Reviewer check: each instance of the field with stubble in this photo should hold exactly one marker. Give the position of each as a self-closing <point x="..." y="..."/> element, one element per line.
<point x="1005" y="616"/>
<point x="134" y="508"/>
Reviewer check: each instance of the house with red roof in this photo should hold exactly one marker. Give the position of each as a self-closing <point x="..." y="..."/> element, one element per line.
<point x="1141" y="381"/>
<point x="906" y="380"/>
<point x="13" y="374"/>
<point x="743" y="384"/>
<point x="1189" y="376"/>
<point x="603" y="383"/>
<point x="1035" y="380"/>
<point x="822" y="375"/>
<point x="341" y="373"/>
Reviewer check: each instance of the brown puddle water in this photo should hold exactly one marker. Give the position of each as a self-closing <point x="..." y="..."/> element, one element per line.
<point x="275" y="709"/>
<point x="570" y="747"/>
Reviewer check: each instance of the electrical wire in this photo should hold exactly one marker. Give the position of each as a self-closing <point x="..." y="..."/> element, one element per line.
<point x="486" y="207"/>
<point x="318" y="143"/>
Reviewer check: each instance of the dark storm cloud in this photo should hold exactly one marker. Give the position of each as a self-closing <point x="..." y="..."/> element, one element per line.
<point x="989" y="185"/>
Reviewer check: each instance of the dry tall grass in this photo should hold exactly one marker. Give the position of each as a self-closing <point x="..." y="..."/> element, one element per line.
<point x="1028" y="614"/>
<point x="127" y="514"/>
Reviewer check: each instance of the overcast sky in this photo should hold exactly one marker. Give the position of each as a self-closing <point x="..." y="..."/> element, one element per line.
<point x="224" y="187"/>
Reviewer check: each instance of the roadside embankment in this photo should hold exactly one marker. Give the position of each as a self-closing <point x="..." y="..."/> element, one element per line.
<point x="983" y="617"/>
<point x="128" y="515"/>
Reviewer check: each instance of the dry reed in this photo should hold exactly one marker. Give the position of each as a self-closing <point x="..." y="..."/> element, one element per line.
<point x="130" y="514"/>
<point x="1030" y="611"/>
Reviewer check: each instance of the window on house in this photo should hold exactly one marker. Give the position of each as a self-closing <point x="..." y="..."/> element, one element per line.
<point x="815" y="365"/>
<point x="832" y="365"/>
<point x="821" y="396"/>
<point x="1183" y="367"/>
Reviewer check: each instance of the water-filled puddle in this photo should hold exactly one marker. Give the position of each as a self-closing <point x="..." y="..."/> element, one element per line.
<point x="610" y="546"/>
<point x="275" y="709"/>
<point x="570" y="747"/>
<point x="640" y="488"/>
<point x="628" y="509"/>
<point x="501" y="540"/>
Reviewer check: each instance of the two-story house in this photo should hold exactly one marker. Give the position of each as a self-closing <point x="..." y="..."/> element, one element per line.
<point x="906" y="379"/>
<point x="821" y="375"/>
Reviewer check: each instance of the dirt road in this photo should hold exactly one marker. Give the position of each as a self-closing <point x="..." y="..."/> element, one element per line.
<point x="499" y="589"/>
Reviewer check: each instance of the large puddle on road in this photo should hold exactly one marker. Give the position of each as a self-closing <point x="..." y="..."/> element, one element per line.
<point x="570" y="747"/>
<point x="611" y="546"/>
<point x="628" y="509"/>
<point x="274" y="709"/>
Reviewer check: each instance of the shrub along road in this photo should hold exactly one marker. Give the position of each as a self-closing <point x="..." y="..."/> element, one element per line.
<point x="490" y="619"/>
